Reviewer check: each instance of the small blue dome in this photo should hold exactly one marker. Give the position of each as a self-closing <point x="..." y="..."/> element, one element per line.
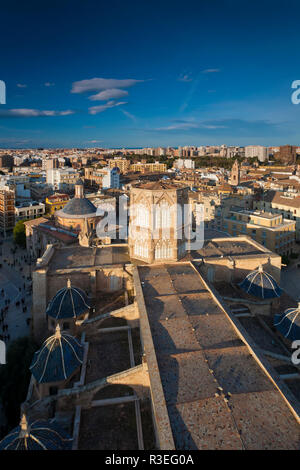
<point x="58" y="358"/>
<point x="38" y="435"/>
<point x="69" y="302"/>
<point x="261" y="285"/>
<point x="288" y="323"/>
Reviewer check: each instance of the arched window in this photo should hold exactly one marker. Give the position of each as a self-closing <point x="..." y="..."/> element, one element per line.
<point x="141" y="249"/>
<point x="162" y="215"/>
<point x="163" y="250"/>
<point x="142" y="216"/>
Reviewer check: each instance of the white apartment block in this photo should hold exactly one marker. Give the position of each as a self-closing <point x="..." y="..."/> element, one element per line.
<point x="111" y="178"/>
<point x="184" y="163"/>
<point x="258" y="151"/>
<point x="62" y="178"/>
<point x="30" y="210"/>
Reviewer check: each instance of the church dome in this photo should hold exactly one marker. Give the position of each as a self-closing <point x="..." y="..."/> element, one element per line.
<point x="58" y="358"/>
<point x="288" y="323"/>
<point x="78" y="206"/>
<point x="261" y="284"/>
<point x="69" y="302"/>
<point x="38" y="435"/>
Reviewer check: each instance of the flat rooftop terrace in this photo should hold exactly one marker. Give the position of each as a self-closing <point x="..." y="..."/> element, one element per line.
<point x="82" y="257"/>
<point x="233" y="247"/>
<point x="216" y="394"/>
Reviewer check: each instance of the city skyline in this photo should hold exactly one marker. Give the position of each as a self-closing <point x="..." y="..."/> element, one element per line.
<point x="148" y="75"/>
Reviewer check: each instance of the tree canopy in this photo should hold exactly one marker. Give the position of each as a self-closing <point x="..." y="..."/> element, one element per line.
<point x="19" y="234"/>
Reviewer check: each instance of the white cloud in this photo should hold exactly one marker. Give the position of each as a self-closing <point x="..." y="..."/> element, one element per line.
<point x="103" y="107"/>
<point x="49" y="84"/>
<point x="189" y="125"/>
<point x="110" y="93"/>
<point x="211" y="71"/>
<point x="21" y="85"/>
<point x="94" y="141"/>
<point x="98" y="84"/>
<point x="27" y="112"/>
<point x="129" y="115"/>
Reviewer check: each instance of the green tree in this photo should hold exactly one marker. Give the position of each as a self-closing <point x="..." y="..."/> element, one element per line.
<point x="19" y="234"/>
<point x="15" y="378"/>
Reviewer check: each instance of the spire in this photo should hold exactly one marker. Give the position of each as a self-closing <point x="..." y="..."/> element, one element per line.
<point x="69" y="284"/>
<point x="24" y="429"/>
<point x="260" y="268"/>
<point x="57" y="332"/>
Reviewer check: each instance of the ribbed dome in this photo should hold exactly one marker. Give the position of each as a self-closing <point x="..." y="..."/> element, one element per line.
<point x="78" y="206"/>
<point x="38" y="435"/>
<point x="261" y="285"/>
<point x="69" y="302"/>
<point x="58" y="358"/>
<point x="288" y="323"/>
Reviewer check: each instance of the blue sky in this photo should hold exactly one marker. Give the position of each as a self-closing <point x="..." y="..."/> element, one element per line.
<point x="149" y="73"/>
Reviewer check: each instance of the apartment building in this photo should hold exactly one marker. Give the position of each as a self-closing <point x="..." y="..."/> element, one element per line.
<point x="6" y="161"/>
<point x="184" y="163"/>
<point x="270" y="230"/>
<point x="149" y="167"/>
<point x="56" y="202"/>
<point x="7" y="209"/>
<point x="286" y="154"/>
<point x="122" y="163"/>
<point x="111" y="178"/>
<point x="29" y="210"/>
<point x="105" y="178"/>
<point x="281" y="202"/>
<point x="62" y="178"/>
<point x="258" y="151"/>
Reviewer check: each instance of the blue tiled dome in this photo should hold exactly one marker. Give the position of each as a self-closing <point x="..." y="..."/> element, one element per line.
<point x="38" y="435"/>
<point x="261" y="285"/>
<point x="69" y="302"/>
<point x="58" y="358"/>
<point x="288" y="323"/>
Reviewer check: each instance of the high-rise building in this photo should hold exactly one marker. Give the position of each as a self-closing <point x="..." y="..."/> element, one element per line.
<point x="6" y="161"/>
<point x="7" y="209"/>
<point x="286" y="154"/>
<point x="258" y="151"/>
<point x="111" y="178"/>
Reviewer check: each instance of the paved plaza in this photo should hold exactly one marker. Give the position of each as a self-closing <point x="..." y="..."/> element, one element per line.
<point x="15" y="292"/>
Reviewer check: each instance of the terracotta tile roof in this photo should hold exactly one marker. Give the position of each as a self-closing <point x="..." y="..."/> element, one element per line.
<point x="276" y="197"/>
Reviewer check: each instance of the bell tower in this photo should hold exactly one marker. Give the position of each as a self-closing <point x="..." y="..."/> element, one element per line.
<point x="235" y="174"/>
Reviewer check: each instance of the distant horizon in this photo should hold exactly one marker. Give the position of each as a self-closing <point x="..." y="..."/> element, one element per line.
<point x="142" y="147"/>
